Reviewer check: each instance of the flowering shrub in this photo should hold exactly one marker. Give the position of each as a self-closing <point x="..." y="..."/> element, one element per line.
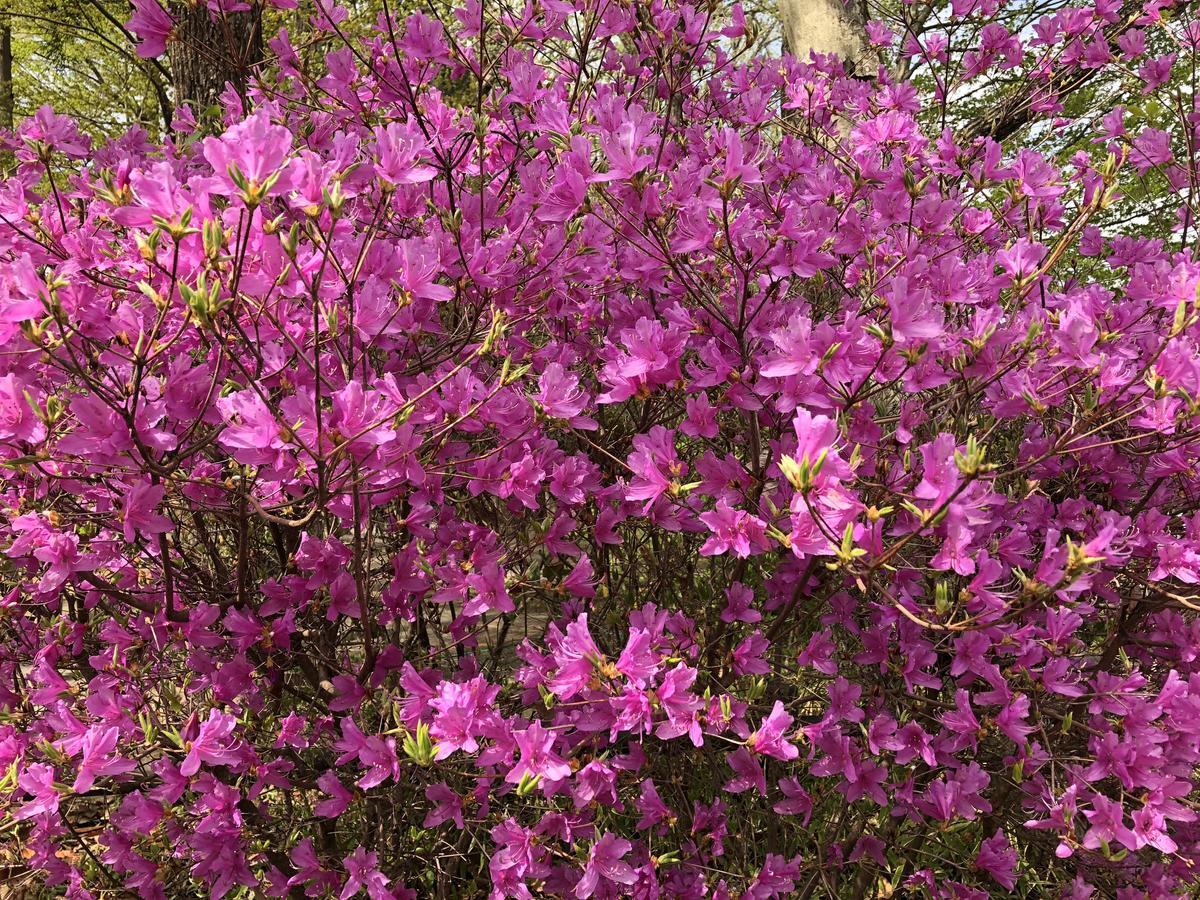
<point x="657" y="471"/>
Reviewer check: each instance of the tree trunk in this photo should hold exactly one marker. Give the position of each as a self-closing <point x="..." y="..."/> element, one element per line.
<point x="7" y="102"/>
<point x="829" y="26"/>
<point x="207" y="54"/>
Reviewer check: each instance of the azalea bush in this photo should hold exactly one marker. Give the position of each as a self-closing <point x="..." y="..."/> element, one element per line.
<point x="565" y="450"/>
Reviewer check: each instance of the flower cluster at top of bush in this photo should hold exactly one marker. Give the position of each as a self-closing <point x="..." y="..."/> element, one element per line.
<point x="554" y="453"/>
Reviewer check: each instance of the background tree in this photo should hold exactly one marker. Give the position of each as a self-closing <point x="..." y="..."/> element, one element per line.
<point x="828" y="26"/>
<point x="6" y="73"/>
<point x="77" y="57"/>
<point x="207" y="52"/>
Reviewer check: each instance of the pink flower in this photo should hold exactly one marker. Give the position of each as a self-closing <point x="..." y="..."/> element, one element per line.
<point x="99" y="758"/>
<point x="680" y="705"/>
<point x="747" y="656"/>
<point x="360" y="420"/>
<point x="17" y="419"/>
<point x="1107" y="818"/>
<point x="339" y="796"/>
<point x="291" y="732"/>
<point x="141" y="501"/>
<point x="255" y="147"/>
<point x="252" y="432"/>
<point x="843" y="701"/>
<point x="215" y="744"/>
<point x="655" y="465"/>
<point x="701" y="418"/>
<point x="777" y="878"/>
<point x="914" y="317"/>
<point x="793" y="354"/>
<point x="37" y="780"/>
<point x="580" y="582"/>
<point x="152" y="25"/>
<point x="537" y="757"/>
<point x="1151" y="148"/>
<point x="418" y="265"/>
<point x="60" y="133"/>
<point x="623" y="144"/>
<point x="399" y="152"/>
<point x="741" y="605"/>
<point x="447" y="806"/>
<point x="770" y="739"/>
<point x="999" y="860"/>
<point x="1156" y="72"/>
<point x="796" y="802"/>
<point x="576" y="657"/>
<point x="648" y="356"/>
<point x="1150" y="830"/>
<point x="733" y="529"/>
<point x="462" y="714"/>
<point x="561" y="397"/>
<point x="747" y="773"/>
<point x="638" y="661"/>
<point x="362" y="873"/>
<point x="651" y="806"/>
<point x="606" y="861"/>
<point x="565" y="194"/>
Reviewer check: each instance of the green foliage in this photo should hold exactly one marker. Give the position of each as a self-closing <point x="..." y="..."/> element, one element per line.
<point x="76" y="56"/>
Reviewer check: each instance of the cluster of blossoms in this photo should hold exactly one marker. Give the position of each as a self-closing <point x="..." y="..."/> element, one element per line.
<point x="554" y="452"/>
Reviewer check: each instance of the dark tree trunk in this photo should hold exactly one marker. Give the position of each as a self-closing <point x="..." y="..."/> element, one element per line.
<point x="7" y="102"/>
<point x="207" y="54"/>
